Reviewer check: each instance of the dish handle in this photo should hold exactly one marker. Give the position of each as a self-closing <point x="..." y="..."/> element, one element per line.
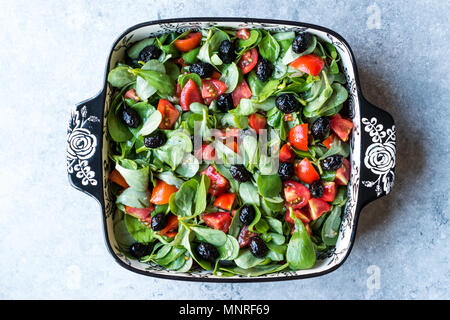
<point x="84" y="146"/>
<point x="378" y="153"/>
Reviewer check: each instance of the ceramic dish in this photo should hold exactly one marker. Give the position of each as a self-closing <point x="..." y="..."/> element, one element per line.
<point x="372" y="149"/>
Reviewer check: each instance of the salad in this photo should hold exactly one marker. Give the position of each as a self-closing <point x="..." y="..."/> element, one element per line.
<point x="230" y="150"/>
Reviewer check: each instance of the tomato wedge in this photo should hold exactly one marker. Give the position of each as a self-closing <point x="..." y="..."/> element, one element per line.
<point x="305" y="171"/>
<point x="169" y="114"/>
<point x="218" y="183"/>
<point x="190" y="93"/>
<point x="225" y="201"/>
<point x="243" y="34"/>
<point x="286" y="153"/>
<point x="342" y="128"/>
<point x="218" y="220"/>
<point x="131" y="94"/>
<point x="172" y="225"/>
<point x="242" y="91"/>
<point x="304" y="217"/>
<point x="248" y="60"/>
<point x="328" y="141"/>
<point x="329" y="191"/>
<point x="298" y="137"/>
<point x="317" y="207"/>
<point x="143" y="214"/>
<point x="309" y="63"/>
<point x="295" y="194"/>
<point x="162" y="192"/>
<point x="212" y="88"/>
<point x="343" y="174"/>
<point x="257" y="122"/>
<point x="117" y="178"/>
<point x="191" y="41"/>
<point x="244" y="236"/>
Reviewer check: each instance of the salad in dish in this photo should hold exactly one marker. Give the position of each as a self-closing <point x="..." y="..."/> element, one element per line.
<point x="230" y="150"/>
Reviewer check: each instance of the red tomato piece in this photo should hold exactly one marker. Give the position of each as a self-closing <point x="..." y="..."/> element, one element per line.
<point x="286" y="153"/>
<point x="225" y="201"/>
<point x="143" y="214"/>
<point x="306" y="172"/>
<point x="180" y="61"/>
<point x="232" y="144"/>
<point x="131" y="94"/>
<point x="295" y="194"/>
<point x="169" y="114"/>
<point x="162" y="192"/>
<point x="329" y="191"/>
<point x="218" y="220"/>
<point x="244" y="236"/>
<point x="342" y="128"/>
<point x="191" y="41"/>
<point x="317" y="207"/>
<point x="309" y="63"/>
<point x="212" y="88"/>
<point x="243" y="34"/>
<point x="298" y="137"/>
<point x="242" y="91"/>
<point x="299" y="214"/>
<point x="216" y="75"/>
<point x="190" y="93"/>
<point x="178" y="90"/>
<point x="248" y="60"/>
<point x="328" y="141"/>
<point x="172" y="225"/>
<point x="117" y="178"/>
<point x="206" y="152"/>
<point x="343" y="174"/>
<point x="257" y="122"/>
<point x="218" y="183"/>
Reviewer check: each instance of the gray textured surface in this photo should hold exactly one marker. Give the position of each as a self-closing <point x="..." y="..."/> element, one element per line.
<point x="53" y="55"/>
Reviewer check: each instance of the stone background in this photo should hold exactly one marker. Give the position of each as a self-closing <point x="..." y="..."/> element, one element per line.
<point x="53" y="55"/>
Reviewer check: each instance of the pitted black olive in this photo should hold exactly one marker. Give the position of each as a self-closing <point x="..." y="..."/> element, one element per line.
<point x="129" y="116"/>
<point x="287" y="103"/>
<point x="207" y="251"/>
<point x="320" y="128"/>
<point x="257" y="247"/>
<point x="159" y="221"/>
<point x="203" y="69"/>
<point x="286" y="170"/>
<point x="333" y="162"/>
<point x="225" y="102"/>
<point x="301" y="42"/>
<point x="139" y="250"/>
<point x="155" y="140"/>
<point x="240" y="173"/>
<point x="226" y="52"/>
<point x="316" y="189"/>
<point x="264" y="69"/>
<point x="247" y="214"/>
<point x="148" y="53"/>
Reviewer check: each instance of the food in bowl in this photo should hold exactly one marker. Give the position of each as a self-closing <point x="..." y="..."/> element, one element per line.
<point x="230" y="149"/>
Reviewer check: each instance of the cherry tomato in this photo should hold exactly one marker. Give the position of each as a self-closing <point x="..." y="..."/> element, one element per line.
<point x="169" y="114"/>
<point x="143" y="214"/>
<point x="317" y="207"/>
<point x="342" y="128"/>
<point x="257" y="122"/>
<point x="296" y="194"/>
<point x="117" y="178"/>
<point x="343" y="174"/>
<point x="329" y="191"/>
<point x="212" y="88"/>
<point x="172" y="225"/>
<point x="131" y="94"/>
<point x="242" y="91"/>
<point x="298" y="137"/>
<point x="305" y="171"/>
<point x="225" y="201"/>
<point x="191" y="41"/>
<point x="243" y="34"/>
<point x="244" y="236"/>
<point x="309" y="63"/>
<point x="248" y="60"/>
<point x="286" y="153"/>
<point x="328" y="141"/>
<point x="218" y="183"/>
<point x="304" y="217"/>
<point x="218" y="220"/>
<point x="162" y="192"/>
<point x="190" y="94"/>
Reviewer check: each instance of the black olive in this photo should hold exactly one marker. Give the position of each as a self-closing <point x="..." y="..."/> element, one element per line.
<point x="316" y="189"/>
<point x="155" y="140"/>
<point x="207" y="251"/>
<point x="320" y="128"/>
<point x="203" y="69"/>
<point x="240" y="173"/>
<point x="247" y="214"/>
<point x="159" y="221"/>
<point x="139" y="250"/>
<point x="148" y="53"/>
<point x="333" y="162"/>
<point x="225" y="102"/>
<point x="301" y="42"/>
<point x="257" y="247"/>
<point x="286" y="170"/>
<point x="226" y="51"/>
<point x="264" y="69"/>
<point x="129" y="116"/>
<point x="287" y="103"/>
